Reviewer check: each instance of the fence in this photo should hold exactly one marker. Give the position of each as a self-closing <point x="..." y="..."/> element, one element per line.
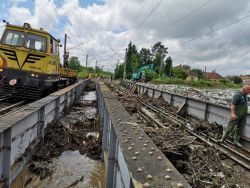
<point x="22" y="131"/>
<point x="131" y="158"/>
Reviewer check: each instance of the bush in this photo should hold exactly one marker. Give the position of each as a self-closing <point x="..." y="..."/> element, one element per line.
<point x="199" y="84"/>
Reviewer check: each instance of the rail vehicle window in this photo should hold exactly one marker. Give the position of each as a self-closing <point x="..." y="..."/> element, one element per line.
<point x="35" y="42"/>
<point x="53" y="47"/>
<point x="14" y="38"/>
<point x="56" y="49"/>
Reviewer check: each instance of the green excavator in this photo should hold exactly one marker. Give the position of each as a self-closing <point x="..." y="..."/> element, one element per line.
<point x="144" y="74"/>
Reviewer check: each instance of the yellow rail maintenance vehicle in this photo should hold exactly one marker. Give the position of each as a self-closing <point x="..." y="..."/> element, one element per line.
<point x="30" y="63"/>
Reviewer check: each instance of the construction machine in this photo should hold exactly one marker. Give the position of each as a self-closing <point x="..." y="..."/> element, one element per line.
<point x="144" y="74"/>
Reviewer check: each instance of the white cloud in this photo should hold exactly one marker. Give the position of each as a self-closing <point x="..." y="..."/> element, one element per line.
<point x="110" y="25"/>
<point x="43" y="16"/>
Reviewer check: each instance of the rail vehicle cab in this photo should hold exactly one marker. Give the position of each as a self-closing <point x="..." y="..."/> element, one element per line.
<point x="29" y="61"/>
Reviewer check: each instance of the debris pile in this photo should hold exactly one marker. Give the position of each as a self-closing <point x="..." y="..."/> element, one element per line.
<point x="216" y="96"/>
<point x="60" y="138"/>
<point x="76" y="130"/>
<point x="200" y="164"/>
<point x="210" y="130"/>
<point x="160" y="103"/>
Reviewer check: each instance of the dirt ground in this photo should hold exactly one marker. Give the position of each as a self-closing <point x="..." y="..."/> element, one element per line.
<point x="201" y="164"/>
<point x="76" y="130"/>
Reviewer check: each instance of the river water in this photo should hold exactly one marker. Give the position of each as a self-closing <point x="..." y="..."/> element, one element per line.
<point x="70" y="169"/>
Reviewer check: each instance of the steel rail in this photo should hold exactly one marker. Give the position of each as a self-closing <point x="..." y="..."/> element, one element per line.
<point x="236" y="156"/>
<point x="231" y="153"/>
<point x="3" y="98"/>
<point x="3" y="110"/>
<point x="147" y="119"/>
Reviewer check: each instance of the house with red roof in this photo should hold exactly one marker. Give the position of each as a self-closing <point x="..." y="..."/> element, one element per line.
<point x="212" y="76"/>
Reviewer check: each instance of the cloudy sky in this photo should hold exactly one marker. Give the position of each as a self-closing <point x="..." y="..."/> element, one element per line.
<point x="199" y="33"/>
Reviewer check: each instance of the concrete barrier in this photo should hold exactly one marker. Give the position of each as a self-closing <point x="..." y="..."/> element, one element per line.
<point x="131" y="157"/>
<point x="21" y="131"/>
<point x="197" y="108"/>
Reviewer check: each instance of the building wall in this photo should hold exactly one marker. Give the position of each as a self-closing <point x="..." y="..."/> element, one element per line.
<point x="189" y="77"/>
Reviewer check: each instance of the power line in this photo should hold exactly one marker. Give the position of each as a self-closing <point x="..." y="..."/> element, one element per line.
<point x="140" y="11"/>
<point x="117" y="53"/>
<point x="145" y="19"/>
<point x="187" y="15"/>
<point x="76" y="46"/>
<point x="219" y="28"/>
<point x="53" y="6"/>
<point x="64" y="21"/>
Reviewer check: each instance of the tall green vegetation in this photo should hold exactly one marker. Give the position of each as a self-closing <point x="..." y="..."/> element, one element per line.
<point x="198" y="72"/>
<point x="74" y="63"/>
<point x="138" y="58"/>
<point x="159" y="53"/>
<point x="179" y="72"/>
<point x="82" y="72"/>
<point x="168" y="67"/>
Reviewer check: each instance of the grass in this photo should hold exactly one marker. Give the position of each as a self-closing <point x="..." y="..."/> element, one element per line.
<point x="83" y="74"/>
<point x="198" y="84"/>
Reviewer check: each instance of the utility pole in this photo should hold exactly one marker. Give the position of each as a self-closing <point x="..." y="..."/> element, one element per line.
<point x="125" y="65"/>
<point x="161" y="63"/>
<point x="95" y="68"/>
<point x="66" y="54"/>
<point x="87" y="60"/>
<point x="117" y="63"/>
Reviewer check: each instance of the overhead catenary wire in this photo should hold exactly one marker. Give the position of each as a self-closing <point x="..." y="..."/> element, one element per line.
<point x="55" y="10"/>
<point x="217" y="29"/>
<point x="53" y="6"/>
<point x="117" y="53"/>
<point x="76" y="46"/>
<point x="147" y="17"/>
<point x="143" y="21"/>
<point x="133" y="24"/>
<point x="139" y="12"/>
<point x="169" y="27"/>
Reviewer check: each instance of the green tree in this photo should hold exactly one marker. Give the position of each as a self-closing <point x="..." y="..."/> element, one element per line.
<point x="74" y="63"/>
<point x="90" y="69"/>
<point x="186" y="67"/>
<point x="145" y="57"/>
<point x="237" y="80"/>
<point x="168" y="66"/>
<point x="132" y="60"/>
<point x="159" y="53"/>
<point x="198" y="72"/>
<point x="119" y="71"/>
<point x="179" y="72"/>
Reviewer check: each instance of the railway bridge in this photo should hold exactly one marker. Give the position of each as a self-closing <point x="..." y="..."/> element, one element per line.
<point x="145" y="137"/>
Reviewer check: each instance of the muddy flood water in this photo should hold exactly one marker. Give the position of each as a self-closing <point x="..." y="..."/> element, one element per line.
<point x="70" y="154"/>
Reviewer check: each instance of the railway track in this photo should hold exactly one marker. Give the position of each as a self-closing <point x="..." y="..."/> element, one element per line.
<point x="3" y="98"/>
<point x="9" y="105"/>
<point x="239" y="155"/>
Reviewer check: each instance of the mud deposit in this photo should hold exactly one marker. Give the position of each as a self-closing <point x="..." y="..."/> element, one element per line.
<point x="70" y="153"/>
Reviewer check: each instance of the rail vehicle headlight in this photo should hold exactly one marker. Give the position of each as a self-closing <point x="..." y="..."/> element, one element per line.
<point x="1" y="70"/>
<point x="2" y="62"/>
<point x="33" y="75"/>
